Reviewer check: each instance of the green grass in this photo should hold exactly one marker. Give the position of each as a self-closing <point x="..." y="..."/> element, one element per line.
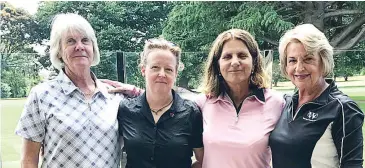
<point x="11" y="143"/>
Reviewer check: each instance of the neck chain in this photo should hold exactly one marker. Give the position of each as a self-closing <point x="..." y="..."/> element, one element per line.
<point x="156" y="111"/>
<point x="92" y="91"/>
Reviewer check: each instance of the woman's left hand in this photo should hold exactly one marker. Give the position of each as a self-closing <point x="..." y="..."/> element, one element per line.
<point x="118" y="87"/>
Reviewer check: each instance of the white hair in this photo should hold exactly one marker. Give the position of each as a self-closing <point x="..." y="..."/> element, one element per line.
<point x="313" y="40"/>
<point x="65" y="23"/>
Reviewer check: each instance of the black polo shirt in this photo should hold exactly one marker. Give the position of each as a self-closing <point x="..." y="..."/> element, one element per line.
<point x="325" y="132"/>
<point x="166" y="144"/>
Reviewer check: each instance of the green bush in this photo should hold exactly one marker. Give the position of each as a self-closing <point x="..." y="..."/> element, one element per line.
<point x="5" y="90"/>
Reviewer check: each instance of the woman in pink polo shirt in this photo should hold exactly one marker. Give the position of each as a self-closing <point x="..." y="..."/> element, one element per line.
<point x="239" y="112"/>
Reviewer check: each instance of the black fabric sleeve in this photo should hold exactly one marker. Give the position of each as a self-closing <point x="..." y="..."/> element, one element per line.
<point x="347" y="135"/>
<point x="121" y="108"/>
<point x="196" y="140"/>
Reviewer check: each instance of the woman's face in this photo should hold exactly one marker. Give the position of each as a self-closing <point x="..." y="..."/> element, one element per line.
<point x="235" y="63"/>
<point x="160" y="71"/>
<point x="77" y="50"/>
<point x="304" y="70"/>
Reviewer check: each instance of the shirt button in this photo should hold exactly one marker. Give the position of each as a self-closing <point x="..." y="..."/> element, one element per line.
<point x="151" y="158"/>
<point x="155" y="128"/>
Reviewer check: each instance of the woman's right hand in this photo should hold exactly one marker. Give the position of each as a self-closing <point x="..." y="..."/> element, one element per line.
<point x="126" y="89"/>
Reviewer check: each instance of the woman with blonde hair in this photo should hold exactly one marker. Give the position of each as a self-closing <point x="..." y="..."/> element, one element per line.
<point x="239" y="111"/>
<point x="159" y="128"/>
<point x="320" y="127"/>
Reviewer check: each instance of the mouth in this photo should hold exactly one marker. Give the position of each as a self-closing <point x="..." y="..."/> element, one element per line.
<point x="235" y="71"/>
<point x="301" y="76"/>
<point x="161" y="82"/>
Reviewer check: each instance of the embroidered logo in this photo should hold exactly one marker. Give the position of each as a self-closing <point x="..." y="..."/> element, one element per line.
<point x="311" y="116"/>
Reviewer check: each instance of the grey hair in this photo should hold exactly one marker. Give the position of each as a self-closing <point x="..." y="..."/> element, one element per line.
<point x="70" y="22"/>
<point x="313" y="40"/>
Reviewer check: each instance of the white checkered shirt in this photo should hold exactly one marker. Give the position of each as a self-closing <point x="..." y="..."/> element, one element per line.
<point x="75" y="132"/>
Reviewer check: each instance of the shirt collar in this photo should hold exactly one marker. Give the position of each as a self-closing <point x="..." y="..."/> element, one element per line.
<point x="68" y="86"/>
<point x="257" y="93"/>
<point x="323" y="98"/>
<point x="177" y="104"/>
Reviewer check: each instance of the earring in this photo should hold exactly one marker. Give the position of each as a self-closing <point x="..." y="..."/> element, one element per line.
<point x="251" y="78"/>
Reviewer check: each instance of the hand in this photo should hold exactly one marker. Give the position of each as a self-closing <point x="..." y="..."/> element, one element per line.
<point x="196" y="164"/>
<point x="118" y="87"/>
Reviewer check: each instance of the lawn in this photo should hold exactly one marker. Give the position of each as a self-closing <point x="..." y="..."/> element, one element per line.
<point x="11" y="144"/>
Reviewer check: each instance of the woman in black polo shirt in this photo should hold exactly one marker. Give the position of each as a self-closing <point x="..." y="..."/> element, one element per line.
<point x="159" y="128"/>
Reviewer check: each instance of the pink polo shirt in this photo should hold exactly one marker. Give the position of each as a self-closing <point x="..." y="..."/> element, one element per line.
<point x="239" y="141"/>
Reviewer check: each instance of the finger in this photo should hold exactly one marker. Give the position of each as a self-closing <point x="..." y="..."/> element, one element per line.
<point x="116" y="90"/>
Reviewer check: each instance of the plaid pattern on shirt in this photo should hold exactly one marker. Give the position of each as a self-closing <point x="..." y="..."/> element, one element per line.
<point x="75" y="132"/>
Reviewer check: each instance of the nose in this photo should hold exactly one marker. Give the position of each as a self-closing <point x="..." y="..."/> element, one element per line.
<point x="161" y="73"/>
<point x="235" y="61"/>
<point x="299" y="66"/>
<point x="79" y="46"/>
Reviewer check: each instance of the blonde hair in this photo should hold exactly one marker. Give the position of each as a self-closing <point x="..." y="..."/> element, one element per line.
<point x="65" y="23"/>
<point x="211" y="84"/>
<point x="160" y="43"/>
<point x="314" y="42"/>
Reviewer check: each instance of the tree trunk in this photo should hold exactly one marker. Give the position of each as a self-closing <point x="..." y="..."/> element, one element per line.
<point x="346" y="78"/>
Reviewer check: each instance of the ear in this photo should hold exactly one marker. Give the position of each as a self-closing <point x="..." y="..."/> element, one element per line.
<point x="143" y="71"/>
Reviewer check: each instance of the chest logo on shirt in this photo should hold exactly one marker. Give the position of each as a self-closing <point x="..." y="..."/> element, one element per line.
<point x="311" y="116"/>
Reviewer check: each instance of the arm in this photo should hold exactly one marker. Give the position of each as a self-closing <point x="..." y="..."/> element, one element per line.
<point x="30" y="154"/>
<point x="347" y="135"/>
<point x="126" y="89"/>
<point x="32" y="118"/>
<point x="199" y="154"/>
<point x="197" y="137"/>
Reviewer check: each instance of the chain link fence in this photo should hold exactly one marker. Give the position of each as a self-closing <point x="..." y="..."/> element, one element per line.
<point x="21" y="71"/>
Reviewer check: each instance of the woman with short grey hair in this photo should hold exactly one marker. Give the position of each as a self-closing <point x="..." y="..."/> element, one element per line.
<point x="73" y="116"/>
<point x="320" y="126"/>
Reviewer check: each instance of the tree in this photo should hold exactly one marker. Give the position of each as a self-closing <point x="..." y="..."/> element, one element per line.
<point x="18" y="32"/>
<point x="17" y="29"/>
<point x="343" y="22"/>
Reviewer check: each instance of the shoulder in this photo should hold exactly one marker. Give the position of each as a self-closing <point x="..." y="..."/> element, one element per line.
<point x="44" y="88"/>
<point x="345" y="104"/>
<point x="273" y="95"/>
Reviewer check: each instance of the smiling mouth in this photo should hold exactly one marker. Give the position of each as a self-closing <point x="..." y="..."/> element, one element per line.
<point x="236" y="71"/>
<point x="301" y="76"/>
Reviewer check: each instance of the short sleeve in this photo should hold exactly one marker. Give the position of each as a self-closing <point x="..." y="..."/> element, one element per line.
<point x="197" y="128"/>
<point x="120" y="116"/>
<point x="200" y="101"/>
<point x="32" y="121"/>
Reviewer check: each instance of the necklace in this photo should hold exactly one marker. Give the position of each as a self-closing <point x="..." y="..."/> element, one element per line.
<point x="91" y="91"/>
<point x="158" y="110"/>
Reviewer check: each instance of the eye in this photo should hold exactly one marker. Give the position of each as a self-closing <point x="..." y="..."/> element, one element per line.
<point x="70" y="41"/>
<point x="226" y="56"/>
<point x="154" y="67"/>
<point x="308" y="59"/>
<point x="292" y="61"/>
<point x="85" y="40"/>
<point x="169" y="69"/>
<point x="242" y="55"/>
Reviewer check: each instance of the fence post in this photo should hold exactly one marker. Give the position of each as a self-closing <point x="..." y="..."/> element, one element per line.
<point x="121" y="66"/>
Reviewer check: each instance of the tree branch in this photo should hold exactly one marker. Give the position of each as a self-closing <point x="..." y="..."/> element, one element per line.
<point x="342" y="12"/>
<point x="347" y="44"/>
<point x="330" y="3"/>
<point x="356" y="23"/>
<point x="271" y="41"/>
